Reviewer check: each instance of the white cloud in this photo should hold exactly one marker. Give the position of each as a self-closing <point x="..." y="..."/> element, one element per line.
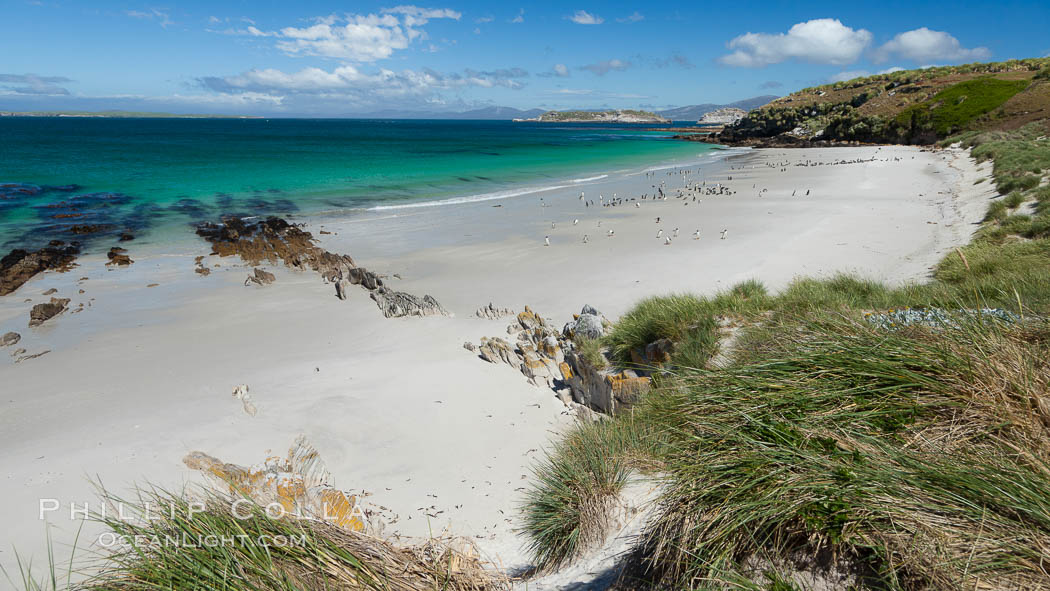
<point x="153" y="14"/>
<point x="598" y="94"/>
<point x="520" y="18"/>
<point x="851" y="74"/>
<point x="604" y="67"/>
<point x="560" y="70"/>
<point x="822" y="41"/>
<point x="925" y="47"/>
<point x="350" y="82"/>
<point x="631" y="18"/>
<point x="848" y="75"/>
<point x="483" y="19"/>
<point x="356" y="37"/>
<point x="31" y="84"/>
<point x="582" y="17"/>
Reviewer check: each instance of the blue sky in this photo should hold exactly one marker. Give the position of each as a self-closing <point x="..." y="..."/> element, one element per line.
<point x="322" y="58"/>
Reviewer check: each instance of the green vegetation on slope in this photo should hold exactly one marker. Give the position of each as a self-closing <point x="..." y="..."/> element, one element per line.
<point x="954" y="108"/>
<point x="895" y="457"/>
<point x="911" y="106"/>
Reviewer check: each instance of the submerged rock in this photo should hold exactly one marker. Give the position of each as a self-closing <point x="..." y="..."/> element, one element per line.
<point x="117" y="256"/>
<point x="41" y="313"/>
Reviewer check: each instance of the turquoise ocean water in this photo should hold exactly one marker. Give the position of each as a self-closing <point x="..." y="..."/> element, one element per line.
<point x="58" y="176"/>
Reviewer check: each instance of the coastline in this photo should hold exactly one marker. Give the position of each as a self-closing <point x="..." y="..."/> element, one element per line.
<point x="365" y="389"/>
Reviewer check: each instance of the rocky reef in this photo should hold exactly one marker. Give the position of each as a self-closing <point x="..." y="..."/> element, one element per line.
<point x="20" y="265"/>
<point x="276" y="241"/>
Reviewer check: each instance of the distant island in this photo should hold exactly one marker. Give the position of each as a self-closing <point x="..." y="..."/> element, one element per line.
<point x="725" y="116"/>
<point x="120" y="114"/>
<point x="617" y="116"/>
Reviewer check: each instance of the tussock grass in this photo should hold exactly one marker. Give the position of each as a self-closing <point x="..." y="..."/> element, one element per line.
<point x="919" y="455"/>
<point x="592" y="351"/>
<point x="910" y="458"/>
<point x="665" y="317"/>
<point x="566" y="509"/>
<point x="215" y="546"/>
<point x="1018" y="158"/>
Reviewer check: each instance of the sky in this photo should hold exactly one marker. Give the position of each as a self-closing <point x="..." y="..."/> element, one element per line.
<point x="331" y="59"/>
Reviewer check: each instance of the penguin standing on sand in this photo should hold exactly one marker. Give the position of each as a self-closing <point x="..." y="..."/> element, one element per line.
<point x="546" y="240"/>
<point x="725" y="232"/>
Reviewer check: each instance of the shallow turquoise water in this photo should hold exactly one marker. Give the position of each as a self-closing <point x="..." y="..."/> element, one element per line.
<point x="144" y="175"/>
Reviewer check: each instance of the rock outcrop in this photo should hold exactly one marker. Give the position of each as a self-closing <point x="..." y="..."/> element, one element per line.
<point x="260" y="277"/>
<point x="297" y="483"/>
<point x="20" y="266"/>
<point x="395" y="304"/>
<point x="10" y="338"/>
<point x="41" y="313"/>
<point x="118" y="256"/>
<point x="548" y="357"/>
<point x="491" y="312"/>
<point x="274" y="240"/>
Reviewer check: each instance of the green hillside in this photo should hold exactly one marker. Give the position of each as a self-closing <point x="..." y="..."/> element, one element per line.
<point x="910" y="106"/>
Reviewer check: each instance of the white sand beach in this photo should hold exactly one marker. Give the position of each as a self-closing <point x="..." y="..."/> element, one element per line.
<point x="398" y="408"/>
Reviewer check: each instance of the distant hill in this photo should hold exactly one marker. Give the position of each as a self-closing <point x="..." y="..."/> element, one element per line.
<point x="695" y="112"/>
<point x="615" y="116"/>
<point x="906" y="107"/>
<point x="690" y="113"/>
<point x="486" y="113"/>
<point x="118" y="115"/>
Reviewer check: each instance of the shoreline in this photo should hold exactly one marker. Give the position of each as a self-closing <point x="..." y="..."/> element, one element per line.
<point x="365" y="389"/>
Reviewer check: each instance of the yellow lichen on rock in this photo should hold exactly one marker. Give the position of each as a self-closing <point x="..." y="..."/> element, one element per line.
<point x="297" y="484"/>
<point x="566" y="371"/>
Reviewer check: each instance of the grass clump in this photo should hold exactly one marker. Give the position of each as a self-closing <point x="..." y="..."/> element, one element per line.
<point x="919" y="455"/>
<point x="1014" y="199"/>
<point x="901" y="457"/>
<point x="592" y="351"/>
<point x="913" y="459"/>
<point x="670" y="317"/>
<point x="209" y="543"/>
<point x="573" y="488"/>
<point x="1019" y="158"/>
